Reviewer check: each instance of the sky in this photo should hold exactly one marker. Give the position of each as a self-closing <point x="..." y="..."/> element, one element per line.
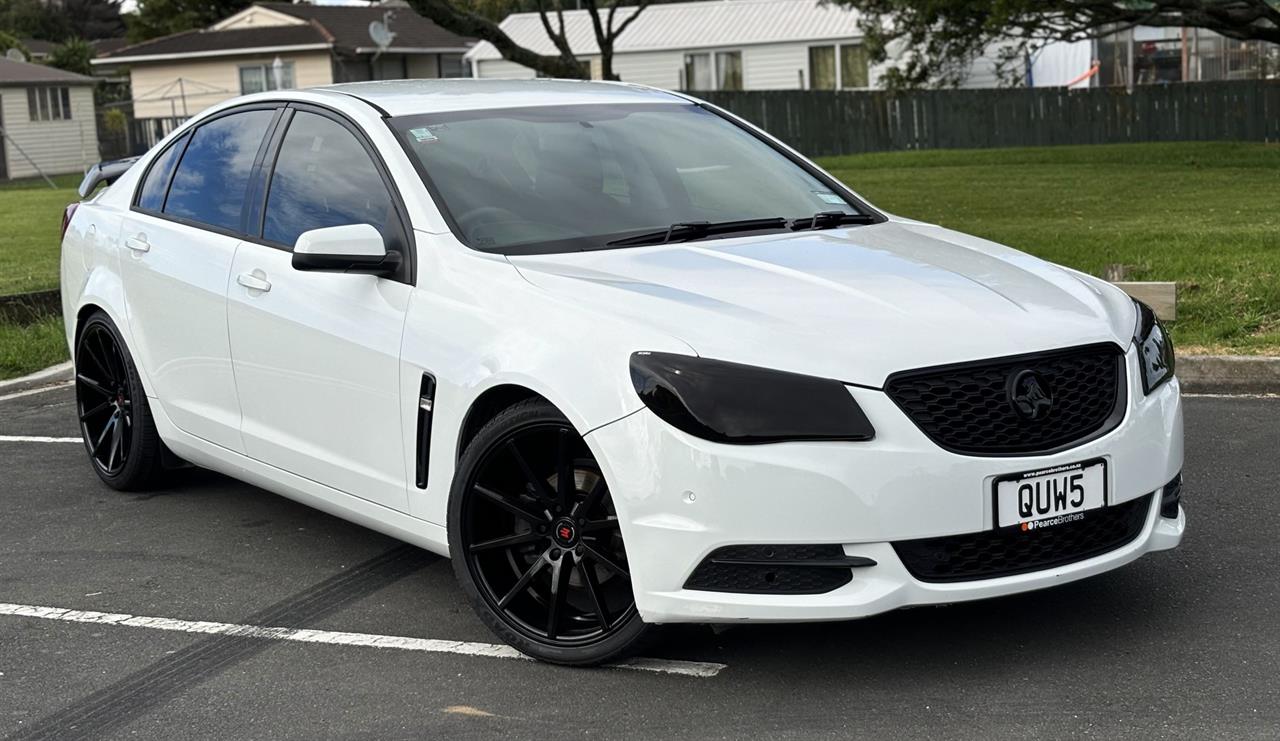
<point x="128" y="6"/>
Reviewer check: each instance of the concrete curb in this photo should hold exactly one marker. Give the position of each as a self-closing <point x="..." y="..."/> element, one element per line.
<point x="1229" y="374"/>
<point x="1199" y="374"/>
<point x="50" y="376"/>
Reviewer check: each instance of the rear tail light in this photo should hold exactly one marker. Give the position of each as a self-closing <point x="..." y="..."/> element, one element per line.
<point x="66" y="217"/>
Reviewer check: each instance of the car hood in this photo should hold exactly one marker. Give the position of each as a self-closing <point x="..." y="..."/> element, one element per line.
<point x="854" y="304"/>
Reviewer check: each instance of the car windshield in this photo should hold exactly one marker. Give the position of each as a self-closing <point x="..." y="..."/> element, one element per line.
<point x="564" y="178"/>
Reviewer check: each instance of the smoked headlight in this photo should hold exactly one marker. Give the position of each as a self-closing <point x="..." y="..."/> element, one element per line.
<point x="734" y="403"/>
<point x="1155" y="349"/>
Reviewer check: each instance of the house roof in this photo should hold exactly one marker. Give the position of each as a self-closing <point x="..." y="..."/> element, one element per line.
<point x="343" y="28"/>
<point x="688" y="26"/>
<point x="24" y="73"/>
<point x="350" y="26"/>
<point x="221" y="43"/>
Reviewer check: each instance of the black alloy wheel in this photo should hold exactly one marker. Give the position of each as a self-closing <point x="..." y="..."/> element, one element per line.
<point x="115" y="420"/>
<point x="536" y="541"/>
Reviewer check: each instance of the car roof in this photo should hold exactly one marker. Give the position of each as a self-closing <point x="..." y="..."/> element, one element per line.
<point x="408" y="97"/>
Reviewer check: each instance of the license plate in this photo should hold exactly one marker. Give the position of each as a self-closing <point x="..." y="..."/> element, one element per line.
<point x="1050" y="496"/>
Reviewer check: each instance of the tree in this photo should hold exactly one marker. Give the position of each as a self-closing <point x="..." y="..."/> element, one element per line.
<point x="938" y="39"/>
<point x="60" y="21"/>
<point x="9" y="41"/>
<point x="163" y="17"/>
<point x="73" y="55"/>
<point x="609" y="18"/>
<point x="93" y="19"/>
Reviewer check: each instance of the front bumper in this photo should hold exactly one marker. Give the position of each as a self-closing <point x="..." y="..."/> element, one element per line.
<point x="680" y="497"/>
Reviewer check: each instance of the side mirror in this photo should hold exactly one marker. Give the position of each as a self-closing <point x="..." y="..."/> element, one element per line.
<point x="355" y="248"/>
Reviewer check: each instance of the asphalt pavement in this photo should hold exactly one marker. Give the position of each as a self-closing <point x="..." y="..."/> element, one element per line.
<point x="166" y="589"/>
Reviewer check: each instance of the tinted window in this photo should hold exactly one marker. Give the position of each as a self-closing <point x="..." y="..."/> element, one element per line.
<point x="574" y="177"/>
<point x="210" y="183"/>
<point x="324" y="177"/>
<point x="151" y="197"/>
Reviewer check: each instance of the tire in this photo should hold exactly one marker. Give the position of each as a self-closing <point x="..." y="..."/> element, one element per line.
<point x="542" y="565"/>
<point x="115" y="419"/>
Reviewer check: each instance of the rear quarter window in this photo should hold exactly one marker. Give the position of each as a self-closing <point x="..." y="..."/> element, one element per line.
<point x="210" y="183"/>
<point x="156" y="184"/>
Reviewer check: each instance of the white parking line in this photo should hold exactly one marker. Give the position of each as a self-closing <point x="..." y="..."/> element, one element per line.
<point x="33" y="392"/>
<point x="302" y="635"/>
<point x="38" y="439"/>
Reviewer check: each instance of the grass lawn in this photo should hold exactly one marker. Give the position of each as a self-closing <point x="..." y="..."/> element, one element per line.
<point x="1206" y="215"/>
<point x="30" y="217"/>
<point x="26" y="348"/>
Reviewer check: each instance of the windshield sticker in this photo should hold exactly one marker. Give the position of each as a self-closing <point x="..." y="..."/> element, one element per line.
<point x="423" y="134"/>
<point x="828" y="197"/>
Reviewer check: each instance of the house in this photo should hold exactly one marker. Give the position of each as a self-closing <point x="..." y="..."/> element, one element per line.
<point x="725" y="45"/>
<point x="273" y="45"/>
<point x="41" y="50"/>
<point x="46" y="120"/>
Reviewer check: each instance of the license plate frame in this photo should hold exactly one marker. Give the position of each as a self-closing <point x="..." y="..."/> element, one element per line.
<point x="1040" y="472"/>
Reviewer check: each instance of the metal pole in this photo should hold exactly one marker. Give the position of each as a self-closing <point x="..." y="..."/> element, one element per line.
<point x="5" y="135"/>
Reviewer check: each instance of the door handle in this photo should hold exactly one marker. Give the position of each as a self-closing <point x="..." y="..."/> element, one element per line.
<point x="253" y="282"/>
<point x="137" y="244"/>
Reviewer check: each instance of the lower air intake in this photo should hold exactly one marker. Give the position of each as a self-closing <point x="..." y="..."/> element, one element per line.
<point x="775" y="569"/>
<point x="1008" y="551"/>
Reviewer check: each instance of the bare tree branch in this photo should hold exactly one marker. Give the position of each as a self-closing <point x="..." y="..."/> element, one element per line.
<point x="466" y="23"/>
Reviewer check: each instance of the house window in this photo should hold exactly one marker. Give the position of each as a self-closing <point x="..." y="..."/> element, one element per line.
<point x="825" y="74"/>
<point x="697" y="72"/>
<point x="853" y="66"/>
<point x="728" y="70"/>
<point x="49" y="103"/>
<point x="258" y="78"/>
<point x="451" y="66"/>
<point x="822" y="68"/>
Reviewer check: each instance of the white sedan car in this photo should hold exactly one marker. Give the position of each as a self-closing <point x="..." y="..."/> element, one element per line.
<point x="627" y="359"/>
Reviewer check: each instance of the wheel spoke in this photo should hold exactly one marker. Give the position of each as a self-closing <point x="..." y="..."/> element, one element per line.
<point x="102" y="436"/>
<point x="98" y="359"/>
<point x="93" y="385"/>
<point x="509" y="506"/>
<point x="599" y="526"/>
<point x="94" y="410"/>
<point x="593" y="588"/>
<point x="565" y="483"/>
<point x="593" y="498"/>
<point x="539" y="484"/>
<point x="115" y="444"/>
<point x="506" y="542"/>
<point x="560" y="574"/>
<point x="523" y="581"/>
<point x="605" y="561"/>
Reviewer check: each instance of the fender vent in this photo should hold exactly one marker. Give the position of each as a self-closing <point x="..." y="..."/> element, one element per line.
<point x="426" y="401"/>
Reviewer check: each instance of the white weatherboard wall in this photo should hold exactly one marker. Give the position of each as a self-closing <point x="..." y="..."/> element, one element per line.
<point x="764" y="66"/>
<point x="656" y="68"/>
<point x="776" y="66"/>
<point x="56" y="146"/>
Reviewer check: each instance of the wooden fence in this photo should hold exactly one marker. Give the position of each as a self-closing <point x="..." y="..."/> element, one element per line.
<point x="821" y="123"/>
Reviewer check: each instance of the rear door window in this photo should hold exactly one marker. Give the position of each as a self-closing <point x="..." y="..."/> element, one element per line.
<point x="324" y="177"/>
<point x="151" y="197"/>
<point x="210" y="183"/>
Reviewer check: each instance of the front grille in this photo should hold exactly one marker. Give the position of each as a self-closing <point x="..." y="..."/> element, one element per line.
<point x="1011" y="550"/>
<point x="966" y="408"/>
<point x="775" y="569"/>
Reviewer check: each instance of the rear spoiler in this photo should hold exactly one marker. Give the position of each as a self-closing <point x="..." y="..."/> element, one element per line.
<point x="104" y="172"/>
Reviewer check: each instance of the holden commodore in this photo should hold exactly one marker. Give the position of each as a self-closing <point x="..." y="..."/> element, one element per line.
<point x="627" y="359"/>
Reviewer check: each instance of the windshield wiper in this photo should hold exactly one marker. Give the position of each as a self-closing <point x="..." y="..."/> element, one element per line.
<point x="685" y="231"/>
<point x="830" y="220"/>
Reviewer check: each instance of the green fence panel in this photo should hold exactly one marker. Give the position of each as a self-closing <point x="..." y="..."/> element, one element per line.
<point x="823" y="122"/>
